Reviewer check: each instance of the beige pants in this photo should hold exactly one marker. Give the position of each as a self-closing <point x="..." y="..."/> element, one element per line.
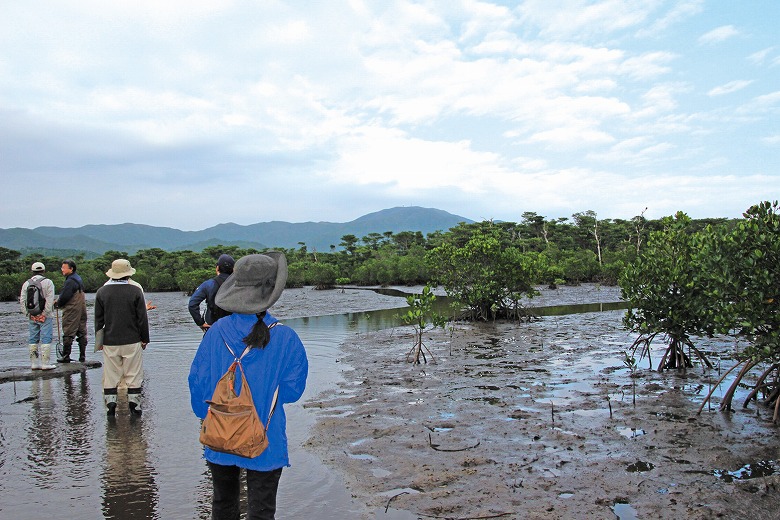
<point x="123" y="366"/>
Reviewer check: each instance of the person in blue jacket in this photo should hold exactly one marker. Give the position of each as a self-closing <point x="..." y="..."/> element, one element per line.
<point x="276" y="358"/>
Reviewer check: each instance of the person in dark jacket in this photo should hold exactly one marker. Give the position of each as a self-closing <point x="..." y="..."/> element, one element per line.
<point x="74" y="312"/>
<point x="275" y="364"/>
<point x="208" y="291"/>
<point x="120" y="310"/>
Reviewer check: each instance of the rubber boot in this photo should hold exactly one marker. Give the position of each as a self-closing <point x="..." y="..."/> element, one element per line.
<point x="34" y="363"/>
<point x="110" y="400"/>
<point x="67" y="343"/>
<point x="82" y="352"/>
<point x="134" y="401"/>
<point x="46" y="358"/>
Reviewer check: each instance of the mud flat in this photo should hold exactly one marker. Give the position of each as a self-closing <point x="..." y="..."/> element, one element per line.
<point x="543" y="421"/>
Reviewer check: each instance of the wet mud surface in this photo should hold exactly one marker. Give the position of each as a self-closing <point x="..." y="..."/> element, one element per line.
<point x="542" y="420"/>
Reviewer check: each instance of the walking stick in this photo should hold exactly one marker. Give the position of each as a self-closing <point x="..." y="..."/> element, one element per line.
<point x="59" y="336"/>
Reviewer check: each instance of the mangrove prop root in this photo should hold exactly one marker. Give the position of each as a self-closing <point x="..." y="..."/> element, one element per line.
<point x="753" y="393"/>
<point x="726" y="403"/>
<point x="417" y="351"/>
<point x="715" y="386"/>
<point x="772" y="397"/>
<point x="436" y="446"/>
<point x="645" y="342"/>
<point x="777" y="409"/>
<point x="700" y="355"/>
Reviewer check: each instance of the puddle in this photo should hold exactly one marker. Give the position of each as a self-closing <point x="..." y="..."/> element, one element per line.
<point x="639" y="467"/>
<point x="759" y="469"/>
<point x="566" y="494"/>
<point x="399" y="491"/>
<point x="490" y="400"/>
<point x="667" y="416"/>
<point x="630" y="433"/>
<point x="624" y="512"/>
<point x="360" y="456"/>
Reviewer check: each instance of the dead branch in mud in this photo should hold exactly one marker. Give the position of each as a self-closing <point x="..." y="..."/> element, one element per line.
<point x="394" y="496"/>
<point x="436" y="446"/>
<point x="497" y="515"/>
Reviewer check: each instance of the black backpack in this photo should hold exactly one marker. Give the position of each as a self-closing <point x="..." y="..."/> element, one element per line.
<point x="215" y="311"/>
<point x="35" y="301"/>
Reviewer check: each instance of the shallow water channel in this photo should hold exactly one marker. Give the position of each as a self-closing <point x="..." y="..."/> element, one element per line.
<point x="61" y="458"/>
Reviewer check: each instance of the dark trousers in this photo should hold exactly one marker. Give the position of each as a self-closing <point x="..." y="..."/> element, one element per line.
<point x="261" y="489"/>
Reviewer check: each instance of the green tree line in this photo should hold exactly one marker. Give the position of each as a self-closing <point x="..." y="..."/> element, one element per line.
<point x="583" y="248"/>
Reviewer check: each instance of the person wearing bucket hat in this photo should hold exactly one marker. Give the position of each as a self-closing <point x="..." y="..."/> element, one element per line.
<point x="274" y="359"/>
<point x="207" y="291"/>
<point x="120" y="311"/>
<point x="39" y="324"/>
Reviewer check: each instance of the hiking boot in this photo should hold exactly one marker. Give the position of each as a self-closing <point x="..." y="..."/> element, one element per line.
<point x="82" y="359"/>
<point x="110" y="409"/>
<point x="135" y="409"/>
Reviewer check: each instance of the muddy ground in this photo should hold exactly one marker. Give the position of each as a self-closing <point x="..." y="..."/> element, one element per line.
<point x="542" y="420"/>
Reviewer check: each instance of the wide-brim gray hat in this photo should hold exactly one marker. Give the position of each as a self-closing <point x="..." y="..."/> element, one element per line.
<point x="255" y="285"/>
<point x="120" y="268"/>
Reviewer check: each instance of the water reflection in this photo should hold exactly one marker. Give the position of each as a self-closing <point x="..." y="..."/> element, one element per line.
<point x="77" y="436"/>
<point x="128" y="481"/>
<point x="42" y="434"/>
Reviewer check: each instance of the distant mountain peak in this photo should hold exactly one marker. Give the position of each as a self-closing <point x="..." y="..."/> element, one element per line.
<point x="98" y="238"/>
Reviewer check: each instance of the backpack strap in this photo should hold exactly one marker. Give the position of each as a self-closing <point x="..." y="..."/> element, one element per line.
<point x="243" y="376"/>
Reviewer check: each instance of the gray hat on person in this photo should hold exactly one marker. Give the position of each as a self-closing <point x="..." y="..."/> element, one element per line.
<point x="38" y="267"/>
<point x="255" y="285"/>
<point x="120" y="268"/>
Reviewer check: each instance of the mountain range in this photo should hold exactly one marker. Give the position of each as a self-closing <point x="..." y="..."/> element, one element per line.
<point x="130" y="238"/>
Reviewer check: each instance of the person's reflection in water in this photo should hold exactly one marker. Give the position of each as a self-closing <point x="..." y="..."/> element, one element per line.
<point x="77" y="416"/>
<point x="129" y="487"/>
<point x="43" y="433"/>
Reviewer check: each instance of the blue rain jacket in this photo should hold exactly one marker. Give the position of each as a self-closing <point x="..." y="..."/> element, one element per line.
<point x="281" y="363"/>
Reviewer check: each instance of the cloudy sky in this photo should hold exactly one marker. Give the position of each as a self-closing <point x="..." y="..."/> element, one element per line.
<point x="192" y="113"/>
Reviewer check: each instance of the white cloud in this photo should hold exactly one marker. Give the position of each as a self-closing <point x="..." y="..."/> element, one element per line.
<point x="718" y="35"/>
<point x="678" y="12"/>
<point x="728" y="88"/>
<point x="498" y="105"/>
<point x="758" y="58"/>
<point x="578" y="18"/>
